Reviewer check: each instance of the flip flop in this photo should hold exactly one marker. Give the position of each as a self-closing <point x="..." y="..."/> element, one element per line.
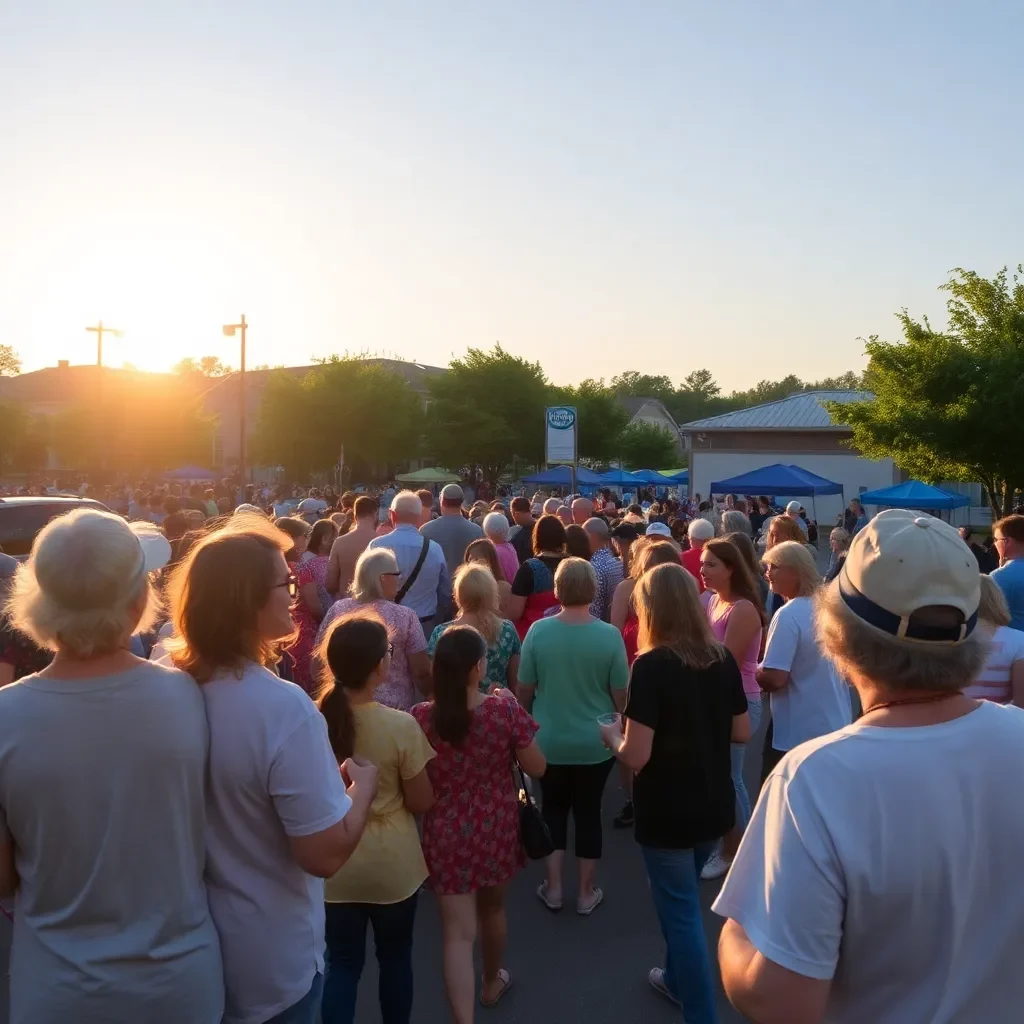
<point x="506" y="983"/>
<point x="586" y="909"/>
<point x="542" y="895"/>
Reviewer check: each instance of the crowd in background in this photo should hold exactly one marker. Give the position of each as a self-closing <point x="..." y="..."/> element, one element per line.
<point x="329" y="705"/>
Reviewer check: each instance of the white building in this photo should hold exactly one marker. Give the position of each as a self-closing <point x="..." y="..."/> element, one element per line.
<point x="795" y="431"/>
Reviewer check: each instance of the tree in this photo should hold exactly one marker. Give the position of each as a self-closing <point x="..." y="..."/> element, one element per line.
<point x="486" y="410"/>
<point x="601" y="418"/>
<point x="304" y="423"/>
<point x="947" y="403"/>
<point x="700" y="382"/>
<point x="205" y="366"/>
<point x="10" y="364"/>
<point x="630" y="384"/>
<point x="644" y="445"/>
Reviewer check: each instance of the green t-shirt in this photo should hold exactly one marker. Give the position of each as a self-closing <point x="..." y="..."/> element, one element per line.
<point x="574" y="669"/>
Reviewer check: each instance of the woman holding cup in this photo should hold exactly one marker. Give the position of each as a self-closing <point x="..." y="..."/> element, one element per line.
<point x="686" y="705"/>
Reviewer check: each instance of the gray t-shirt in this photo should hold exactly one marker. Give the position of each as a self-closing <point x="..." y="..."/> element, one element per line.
<point x="101" y="793"/>
<point x="272" y="775"/>
<point x="454" y="534"/>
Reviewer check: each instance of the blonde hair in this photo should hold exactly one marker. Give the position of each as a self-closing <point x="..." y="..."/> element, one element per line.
<point x="993" y="609"/>
<point x="370" y="566"/>
<point x="670" y="615"/>
<point x="782" y="529"/>
<point x="216" y="594"/>
<point x="793" y="555"/>
<point x="84" y="587"/>
<point x="649" y="553"/>
<point x="840" y="536"/>
<point x="575" y="582"/>
<point x="476" y="593"/>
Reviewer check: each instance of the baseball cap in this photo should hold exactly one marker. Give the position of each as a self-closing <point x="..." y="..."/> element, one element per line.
<point x="794" y="507"/>
<point x="247" y="509"/>
<point x="658" y="530"/>
<point x="452" y="493"/>
<point x="904" y="561"/>
<point x="156" y="548"/>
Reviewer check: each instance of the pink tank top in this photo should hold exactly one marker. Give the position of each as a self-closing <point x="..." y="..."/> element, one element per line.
<point x="718" y="619"/>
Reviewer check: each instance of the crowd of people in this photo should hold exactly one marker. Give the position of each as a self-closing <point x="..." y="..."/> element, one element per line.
<point x="244" y="731"/>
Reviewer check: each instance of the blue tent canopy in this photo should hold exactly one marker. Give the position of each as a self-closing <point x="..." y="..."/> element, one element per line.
<point x="650" y="476"/>
<point x="678" y="476"/>
<point x="561" y="476"/>
<point x="190" y="473"/>
<point x="620" y="478"/>
<point x="914" y="494"/>
<point x="776" y="479"/>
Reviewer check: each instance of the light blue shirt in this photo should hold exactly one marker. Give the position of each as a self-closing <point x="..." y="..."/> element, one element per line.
<point x="1010" y="578"/>
<point x="431" y="591"/>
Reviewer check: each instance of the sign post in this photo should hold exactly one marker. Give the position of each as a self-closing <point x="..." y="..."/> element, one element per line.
<point x="561" y="427"/>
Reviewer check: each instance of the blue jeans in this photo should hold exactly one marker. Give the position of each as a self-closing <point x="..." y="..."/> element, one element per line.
<point x="346" y="954"/>
<point x="738" y="753"/>
<point x="306" y="1009"/>
<point x="674" y="876"/>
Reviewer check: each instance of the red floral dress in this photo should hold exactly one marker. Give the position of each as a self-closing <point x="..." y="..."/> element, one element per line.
<point x="471" y="834"/>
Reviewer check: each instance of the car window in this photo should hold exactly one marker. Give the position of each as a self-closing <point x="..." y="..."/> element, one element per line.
<point x="19" y="523"/>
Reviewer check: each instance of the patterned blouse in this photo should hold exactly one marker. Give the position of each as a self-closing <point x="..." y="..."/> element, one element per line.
<point x="499" y="653"/>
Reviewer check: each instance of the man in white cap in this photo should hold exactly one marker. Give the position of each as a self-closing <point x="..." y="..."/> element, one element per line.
<point x="451" y="529"/>
<point x="793" y="512"/>
<point x="879" y="878"/>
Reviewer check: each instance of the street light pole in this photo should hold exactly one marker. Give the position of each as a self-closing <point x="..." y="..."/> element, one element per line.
<point x="229" y="332"/>
<point x="99" y="330"/>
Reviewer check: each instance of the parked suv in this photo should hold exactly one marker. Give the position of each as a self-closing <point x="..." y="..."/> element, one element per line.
<point x="22" y="517"/>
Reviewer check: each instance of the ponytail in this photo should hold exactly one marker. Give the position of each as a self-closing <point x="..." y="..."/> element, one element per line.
<point x="458" y="650"/>
<point x="351" y="651"/>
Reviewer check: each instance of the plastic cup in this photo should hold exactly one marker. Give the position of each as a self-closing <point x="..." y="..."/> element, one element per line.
<point x="611" y="718"/>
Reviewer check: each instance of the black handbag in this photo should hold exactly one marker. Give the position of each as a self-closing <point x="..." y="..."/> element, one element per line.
<point x="533" y="832"/>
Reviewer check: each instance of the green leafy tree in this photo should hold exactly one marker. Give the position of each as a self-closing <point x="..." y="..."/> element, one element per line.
<point x="644" y="445"/>
<point x="205" y="366"/>
<point x="631" y="384"/>
<point x="601" y="418"/>
<point x="947" y="403"/>
<point x="486" y="410"/>
<point x="342" y="405"/>
<point x="9" y="362"/>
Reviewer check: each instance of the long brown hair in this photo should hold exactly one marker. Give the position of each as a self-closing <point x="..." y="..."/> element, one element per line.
<point x="458" y="650"/>
<point x="216" y="592"/>
<point x="352" y="649"/>
<point x="670" y="615"/>
<point x="741" y="583"/>
<point x="482" y="550"/>
<point x="780" y="529"/>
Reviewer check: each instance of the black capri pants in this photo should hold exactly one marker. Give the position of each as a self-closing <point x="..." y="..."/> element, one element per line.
<point x="577" y="788"/>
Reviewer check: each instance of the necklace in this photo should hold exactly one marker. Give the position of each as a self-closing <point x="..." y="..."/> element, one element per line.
<point x="932" y="699"/>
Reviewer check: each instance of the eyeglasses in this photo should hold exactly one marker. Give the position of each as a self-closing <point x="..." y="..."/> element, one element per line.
<point x="391" y="574"/>
<point x="391" y="649"/>
<point x="291" y="583"/>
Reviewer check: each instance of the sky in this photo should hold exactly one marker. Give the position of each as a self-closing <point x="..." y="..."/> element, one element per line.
<point x="749" y="186"/>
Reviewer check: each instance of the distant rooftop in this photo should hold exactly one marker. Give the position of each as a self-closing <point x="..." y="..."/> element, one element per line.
<point x="800" y="411"/>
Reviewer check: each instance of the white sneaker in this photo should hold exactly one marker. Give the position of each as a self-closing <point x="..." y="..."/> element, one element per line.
<point x="716" y="866"/>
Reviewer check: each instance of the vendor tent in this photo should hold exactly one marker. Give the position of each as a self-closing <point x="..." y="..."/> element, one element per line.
<point x="776" y="479"/>
<point x="432" y="475"/>
<point x="652" y="477"/>
<point x="561" y="476"/>
<point x="914" y="494"/>
<point x="677" y="476"/>
<point x="620" y="478"/>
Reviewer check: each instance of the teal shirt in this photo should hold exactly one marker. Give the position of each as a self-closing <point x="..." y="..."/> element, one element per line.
<point x="574" y="670"/>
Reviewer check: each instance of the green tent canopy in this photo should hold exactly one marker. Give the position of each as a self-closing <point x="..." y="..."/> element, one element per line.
<point x="431" y="475"/>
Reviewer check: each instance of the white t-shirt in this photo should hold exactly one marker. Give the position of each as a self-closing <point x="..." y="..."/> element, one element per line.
<point x="889" y="861"/>
<point x="993" y="681"/>
<point x="272" y="775"/>
<point x="815" y="700"/>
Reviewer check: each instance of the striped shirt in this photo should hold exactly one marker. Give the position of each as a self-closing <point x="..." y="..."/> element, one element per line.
<point x="993" y="681"/>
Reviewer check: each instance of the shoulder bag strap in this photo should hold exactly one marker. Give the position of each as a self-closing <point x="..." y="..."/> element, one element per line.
<point x="415" y="571"/>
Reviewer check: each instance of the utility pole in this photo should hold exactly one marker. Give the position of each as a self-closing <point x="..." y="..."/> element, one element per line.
<point x="99" y="330"/>
<point x="229" y="332"/>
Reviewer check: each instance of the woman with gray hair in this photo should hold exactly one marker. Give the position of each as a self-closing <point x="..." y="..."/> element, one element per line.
<point x="879" y="879"/>
<point x="496" y="530"/>
<point x="102" y="768"/>
<point x="734" y="521"/>
<point x="373" y="589"/>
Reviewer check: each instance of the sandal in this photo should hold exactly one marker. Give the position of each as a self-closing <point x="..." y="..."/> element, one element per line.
<point x="586" y="909"/>
<point x="506" y="983"/>
<point x="542" y="895"/>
